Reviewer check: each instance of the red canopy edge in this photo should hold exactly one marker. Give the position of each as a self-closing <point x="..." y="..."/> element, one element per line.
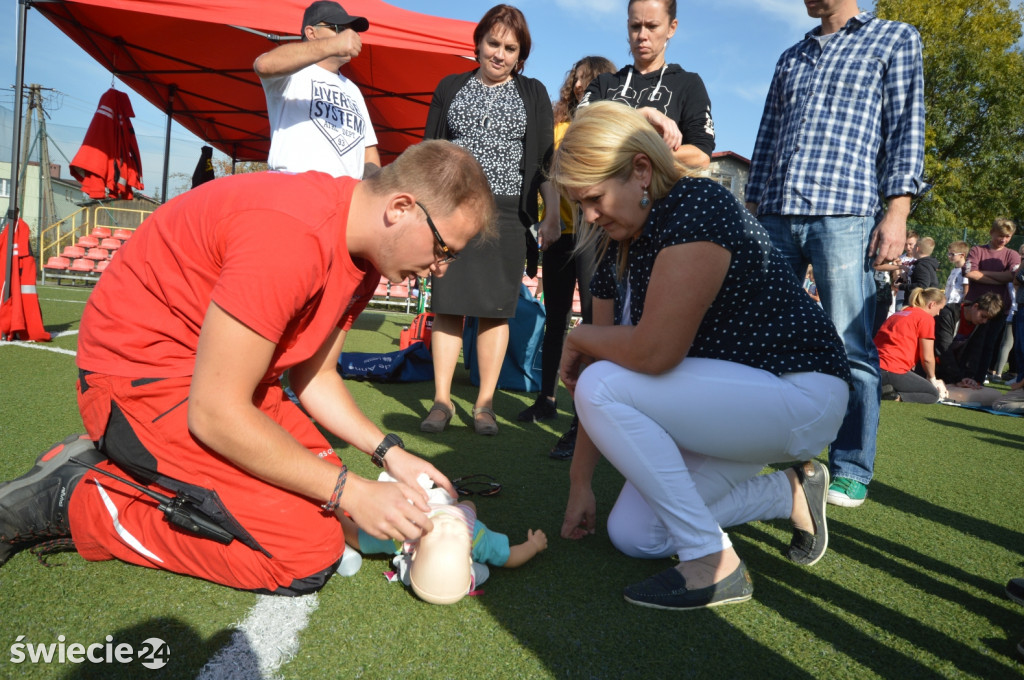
<point x="195" y="59"/>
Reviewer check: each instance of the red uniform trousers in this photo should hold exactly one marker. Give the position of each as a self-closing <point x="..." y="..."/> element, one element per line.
<point x="111" y="520"/>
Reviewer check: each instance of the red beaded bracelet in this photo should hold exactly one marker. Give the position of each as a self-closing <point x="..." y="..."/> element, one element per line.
<point x="339" y="488"/>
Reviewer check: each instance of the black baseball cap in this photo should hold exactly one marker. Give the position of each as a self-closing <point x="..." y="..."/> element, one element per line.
<point x="327" y="12"/>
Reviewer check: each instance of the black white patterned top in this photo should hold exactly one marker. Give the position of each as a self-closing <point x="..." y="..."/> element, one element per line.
<point x="761" y="316"/>
<point x="490" y="123"/>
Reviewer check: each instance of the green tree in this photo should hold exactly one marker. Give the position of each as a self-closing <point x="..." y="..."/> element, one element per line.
<point x="974" y="97"/>
<point x="222" y="167"/>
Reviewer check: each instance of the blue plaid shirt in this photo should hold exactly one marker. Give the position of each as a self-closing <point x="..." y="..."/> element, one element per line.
<point x="842" y="124"/>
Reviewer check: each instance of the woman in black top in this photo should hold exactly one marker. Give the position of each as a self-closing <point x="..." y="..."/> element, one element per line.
<point x="673" y="100"/>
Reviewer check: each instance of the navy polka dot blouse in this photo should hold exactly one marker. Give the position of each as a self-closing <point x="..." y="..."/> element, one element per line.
<point x="761" y="317"/>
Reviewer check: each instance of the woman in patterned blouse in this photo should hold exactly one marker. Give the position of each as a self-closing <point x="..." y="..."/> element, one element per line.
<point x="504" y="119"/>
<point x="706" y="361"/>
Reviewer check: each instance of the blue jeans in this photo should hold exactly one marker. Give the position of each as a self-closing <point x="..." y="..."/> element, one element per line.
<point x="837" y="248"/>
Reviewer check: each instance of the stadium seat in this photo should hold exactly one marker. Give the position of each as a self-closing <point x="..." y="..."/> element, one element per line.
<point x="576" y="306"/>
<point x="110" y="243"/>
<point x="57" y="262"/>
<point x="89" y="242"/>
<point x="83" y="265"/>
<point x="399" y="295"/>
<point x="97" y="254"/>
<point x="71" y="252"/>
<point x="101" y="232"/>
<point x="101" y="265"/>
<point x="123" y="234"/>
<point x="382" y="288"/>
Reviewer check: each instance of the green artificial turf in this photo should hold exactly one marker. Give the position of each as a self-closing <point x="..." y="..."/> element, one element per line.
<point x="912" y="585"/>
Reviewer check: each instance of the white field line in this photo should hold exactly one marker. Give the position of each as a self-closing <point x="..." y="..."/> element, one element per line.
<point x="43" y="345"/>
<point x="264" y="641"/>
<point x="75" y="302"/>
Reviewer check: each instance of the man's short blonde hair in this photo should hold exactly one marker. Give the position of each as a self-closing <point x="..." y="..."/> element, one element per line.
<point x="1004" y="226"/>
<point x="443" y="177"/>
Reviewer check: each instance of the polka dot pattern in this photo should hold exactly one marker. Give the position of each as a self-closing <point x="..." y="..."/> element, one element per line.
<point x="490" y="123"/>
<point x="761" y="317"/>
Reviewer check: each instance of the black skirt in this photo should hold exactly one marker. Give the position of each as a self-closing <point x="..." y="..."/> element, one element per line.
<point x="484" y="281"/>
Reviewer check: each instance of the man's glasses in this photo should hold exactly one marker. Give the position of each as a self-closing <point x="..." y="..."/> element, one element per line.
<point x="447" y="254"/>
<point x="952" y="254"/>
<point x="337" y="28"/>
<point x="479" y="485"/>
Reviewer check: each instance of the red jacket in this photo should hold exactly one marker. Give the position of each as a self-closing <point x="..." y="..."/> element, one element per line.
<point x="109" y="163"/>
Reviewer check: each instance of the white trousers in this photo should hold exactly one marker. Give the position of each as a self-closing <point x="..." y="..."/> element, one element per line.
<point x="692" y="442"/>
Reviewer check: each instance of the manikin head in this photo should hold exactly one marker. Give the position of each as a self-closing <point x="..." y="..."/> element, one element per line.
<point x="442" y="564"/>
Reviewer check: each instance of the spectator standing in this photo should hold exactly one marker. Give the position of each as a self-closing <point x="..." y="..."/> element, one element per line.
<point x="956" y="282"/>
<point x="564" y="268"/>
<point x="924" y="273"/>
<point x="1018" y="322"/>
<point x="504" y="119"/>
<point x="852" y="89"/>
<point x="990" y="268"/>
<point x="318" y="119"/>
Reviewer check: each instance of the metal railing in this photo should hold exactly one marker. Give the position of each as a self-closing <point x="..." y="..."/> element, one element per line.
<point x="66" y="232"/>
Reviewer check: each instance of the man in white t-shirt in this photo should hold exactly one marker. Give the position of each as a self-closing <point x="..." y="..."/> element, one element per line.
<point x="318" y="119"/>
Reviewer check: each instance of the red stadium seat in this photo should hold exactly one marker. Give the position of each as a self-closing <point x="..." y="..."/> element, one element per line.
<point x="123" y="234"/>
<point x="83" y="265"/>
<point x="101" y="232"/>
<point x="101" y="265"/>
<point x="97" y="254"/>
<point x="89" y="242"/>
<point x="71" y="252"/>
<point x="57" y="262"/>
<point x="110" y="243"/>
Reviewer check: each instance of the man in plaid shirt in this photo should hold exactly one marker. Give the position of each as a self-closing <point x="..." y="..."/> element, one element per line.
<point x="842" y="125"/>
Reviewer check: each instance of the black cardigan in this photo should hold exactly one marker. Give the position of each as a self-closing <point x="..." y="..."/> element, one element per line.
<point x="538" y="143"/>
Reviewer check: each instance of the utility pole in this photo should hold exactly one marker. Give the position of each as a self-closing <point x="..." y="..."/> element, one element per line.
<point x="37" y="114"/>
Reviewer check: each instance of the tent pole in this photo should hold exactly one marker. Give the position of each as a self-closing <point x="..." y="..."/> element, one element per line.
<point x="167" y="140"/>
<point x="11" y="219"/>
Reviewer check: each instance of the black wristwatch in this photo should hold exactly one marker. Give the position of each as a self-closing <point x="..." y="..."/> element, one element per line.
<point x="389" y="440"/>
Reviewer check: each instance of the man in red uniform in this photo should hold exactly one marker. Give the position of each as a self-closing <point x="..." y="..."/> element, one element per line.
<point x="181" y="349"/>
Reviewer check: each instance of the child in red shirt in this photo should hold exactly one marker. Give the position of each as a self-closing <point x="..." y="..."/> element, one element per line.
<point x="906" y="349"/>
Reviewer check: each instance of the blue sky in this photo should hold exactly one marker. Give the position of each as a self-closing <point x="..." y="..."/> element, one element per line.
<point x="732" y="44"/>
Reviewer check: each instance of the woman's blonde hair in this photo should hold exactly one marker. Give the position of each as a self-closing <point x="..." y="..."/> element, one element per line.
<point x="922" y="297"/>
<point x="601" y="143"/>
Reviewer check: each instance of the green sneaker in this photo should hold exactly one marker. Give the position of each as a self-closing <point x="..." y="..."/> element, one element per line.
<point x="846" y="492"/>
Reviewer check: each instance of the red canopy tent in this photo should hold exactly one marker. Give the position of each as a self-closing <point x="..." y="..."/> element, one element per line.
<point x="194" y="60"/>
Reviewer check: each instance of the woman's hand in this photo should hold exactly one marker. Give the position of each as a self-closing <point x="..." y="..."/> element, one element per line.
<point x="548" y="232"/>
<point x="580" y="512"/>
<point x="666" y="127"/>
<point x="571" y="365"/>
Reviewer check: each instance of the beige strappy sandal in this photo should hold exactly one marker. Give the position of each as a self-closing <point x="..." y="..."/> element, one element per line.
<point x="482" y="426"/>
<point x="435" y="425"/>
